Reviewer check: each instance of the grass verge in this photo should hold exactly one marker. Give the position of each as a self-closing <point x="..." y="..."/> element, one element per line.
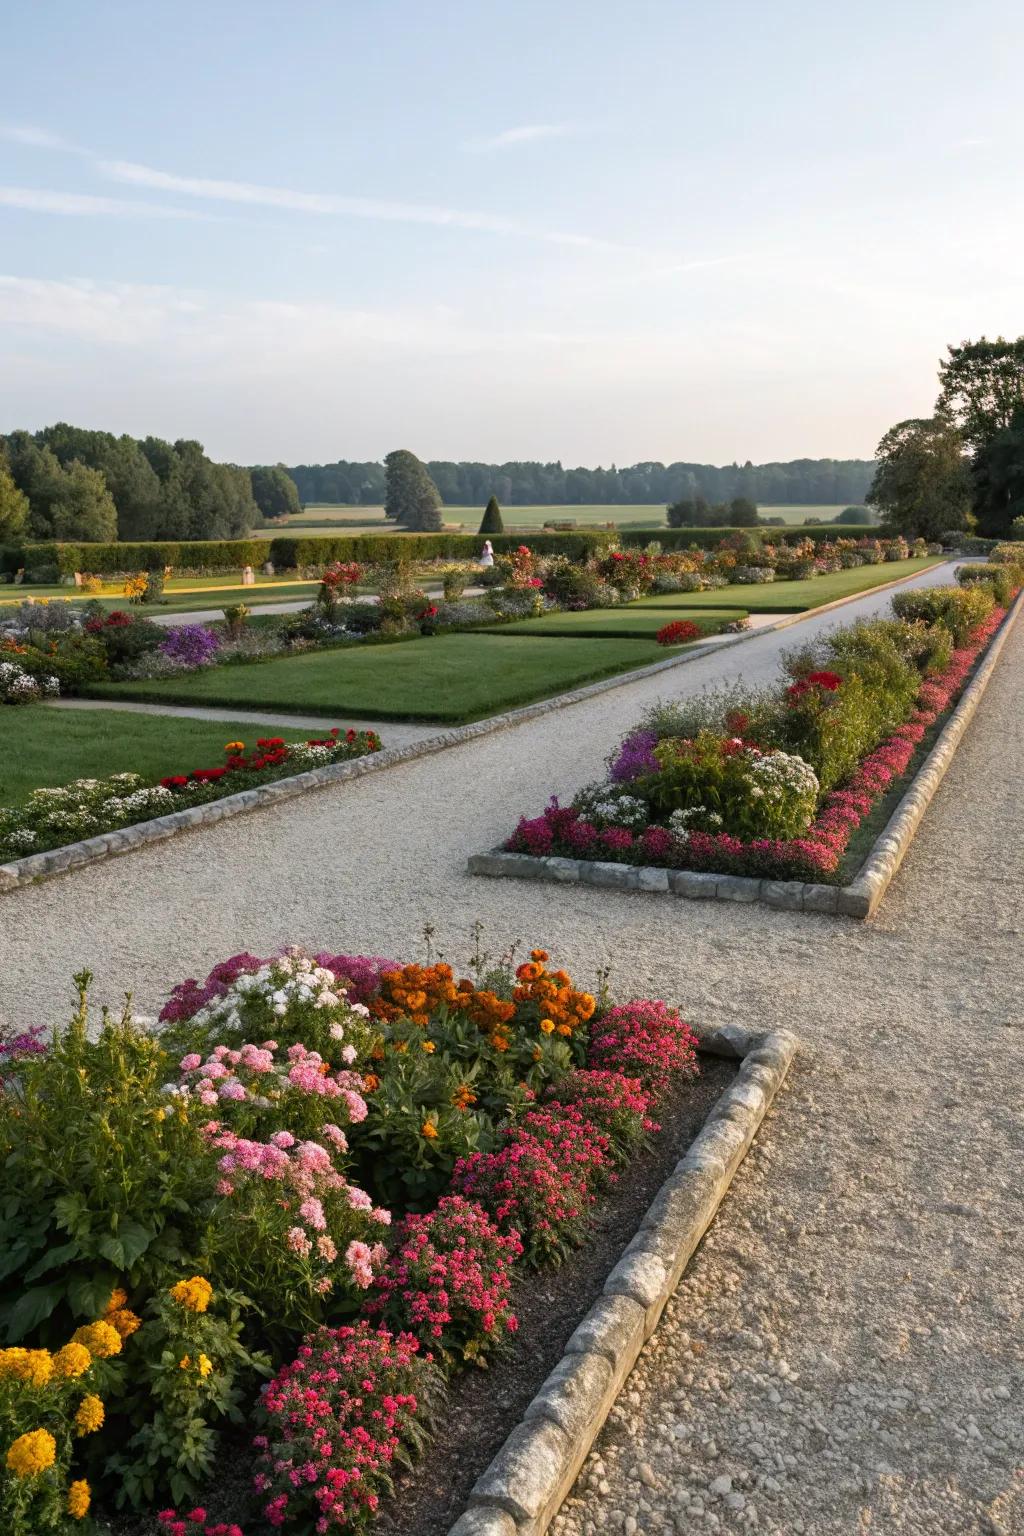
<point x="795" y="596"/>
<point x="630" y="622"/>
<point x="450" y="679"/>
<point x="50" y="747"/>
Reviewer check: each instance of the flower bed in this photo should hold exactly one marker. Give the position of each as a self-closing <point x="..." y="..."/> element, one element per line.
<point x="324" y="1170"/>
<point x="775" y="785"/>
<point x="52" y="818"/>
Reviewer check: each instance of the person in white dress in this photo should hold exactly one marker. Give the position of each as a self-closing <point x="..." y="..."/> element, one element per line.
<point x="487" y="557"/>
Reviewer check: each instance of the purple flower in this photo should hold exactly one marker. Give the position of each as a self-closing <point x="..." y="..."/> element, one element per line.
<point x="636" y="757"/>
<point x="192" y="644"/>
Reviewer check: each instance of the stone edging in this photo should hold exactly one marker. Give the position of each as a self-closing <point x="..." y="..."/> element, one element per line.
<point x="524" y="1486"/>
<point x="40" y="866"/>
<point x="859" y="899"/>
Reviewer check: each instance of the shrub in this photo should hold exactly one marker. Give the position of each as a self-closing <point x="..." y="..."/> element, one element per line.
<point x="960" y="609"/>
<point x="710" y="782"/>
<point x="574" y="586"/>
<point x="995" y="578"/>
<point x="448" y="1282"/>
<point x="617" y="1105"/>
<point x="73" y="659"/>
<point x="103" y="1180"/>
<point x="351" y="1404"/>
<point x="680" y="632"/>
<point x="123" y="637"/>
<point x="18" y="686"/>
<point x="190" y="645"/>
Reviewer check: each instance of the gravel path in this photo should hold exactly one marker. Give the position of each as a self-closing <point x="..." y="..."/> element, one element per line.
<point x="844" y="1352"/>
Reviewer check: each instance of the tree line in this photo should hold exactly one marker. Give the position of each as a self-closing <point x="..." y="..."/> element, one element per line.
<point x="800" y="482"/>
<point x="69" y="483"/>
<point x="963" y="466"/>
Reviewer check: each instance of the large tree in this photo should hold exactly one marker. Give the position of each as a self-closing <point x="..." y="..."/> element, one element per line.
<point x="998" y="476"/>
<point x="412" y="499"/>
<point x="13" y="505"/>
<point x="981" y="387"/>
<point x="922" y="485"/>
<point x="274" y="491"/>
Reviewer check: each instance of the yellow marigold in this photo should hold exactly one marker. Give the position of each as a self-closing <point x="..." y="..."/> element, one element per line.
<point x="78" y="1499"/>
<point x="428" y="1046"/>
<point x="32" y="1366"/>
<point x="547" y="1025"/>
<point x="184" y="1363"/>
<point x="101" y="1338"/>
<point x="90" y="1415"/>
<point x="124" y="1321"/>
<point x="428" y="1130"/>
<point x="234" y="746"/>
<point x="71" y="1361"/>
<point x="32" y="1453"/>
<point x="205" y="1365"/>
<point x="118" y="1299"/>
<point x="195" y="1294"/>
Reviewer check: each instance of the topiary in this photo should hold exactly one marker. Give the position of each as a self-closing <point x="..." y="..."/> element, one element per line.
<point x="492" y="521"/>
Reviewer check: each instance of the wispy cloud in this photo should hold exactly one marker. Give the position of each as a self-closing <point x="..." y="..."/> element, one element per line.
<point x="526" y="133"/>
<point x="83" y="205"/>
<point x="39" y="138"/>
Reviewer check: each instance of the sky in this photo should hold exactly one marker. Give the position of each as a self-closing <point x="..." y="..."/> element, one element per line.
<point x="493" y="229"/>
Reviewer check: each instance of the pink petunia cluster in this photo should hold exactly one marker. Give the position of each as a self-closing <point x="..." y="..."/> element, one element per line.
<point x="449" y="1280"/>
<point x="337" y="1417"/>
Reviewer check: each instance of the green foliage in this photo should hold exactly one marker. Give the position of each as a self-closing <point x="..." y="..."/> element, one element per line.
<point x="290" y="553"/>
<point x="73" y="659"/>
<point x="193" y="1374"/>
<point x="998" y="473"/>
<point x="712" y="787"/>
<point x="922" y="484"/>
<point x="206" y="557"/>
<point x="101" y="1180"/>
<point x="274" y="491"/>
<point x="997" y="579"/>
<point x="411" y="498"/>
<point x="982" y="387"/>
<point x="958" y="609"/>
<point x="491" y="523"/>
<point x="13" y="504"/>
<point x="854" y="517"/>
<point x="710" y="538"/>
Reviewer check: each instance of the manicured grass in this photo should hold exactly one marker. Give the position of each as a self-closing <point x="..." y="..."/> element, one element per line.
<point x="50" y="747"/>
<point x="325" y="518"/>
<point x="795" y="596"/>
<point x="212" y="595"/>
<point x="450" y="678"/>
<point x="630" y="622"/>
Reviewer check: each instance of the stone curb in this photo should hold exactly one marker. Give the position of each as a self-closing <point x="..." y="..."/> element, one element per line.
<point x="56" y="861"/>
<point x="523" y="1488"/>
<point x="859" y="899"/>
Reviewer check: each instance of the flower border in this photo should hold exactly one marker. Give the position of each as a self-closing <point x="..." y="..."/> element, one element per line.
<point x="859" y="899"/>
<point x="523" y="1488"/>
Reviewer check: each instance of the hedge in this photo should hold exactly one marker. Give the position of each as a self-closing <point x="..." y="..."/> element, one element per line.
<point x="119" y="559"/>
<point x="710" y="538"/>
<point x="287" y="552"/>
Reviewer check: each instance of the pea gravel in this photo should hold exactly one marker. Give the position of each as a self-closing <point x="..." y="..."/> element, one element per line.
<point x="843" y="1354"/>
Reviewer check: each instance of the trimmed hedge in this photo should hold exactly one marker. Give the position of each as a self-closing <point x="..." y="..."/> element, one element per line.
<point x="119" y="559"/>
<point x="710" y="538"/>
<point x="289" y="552"/>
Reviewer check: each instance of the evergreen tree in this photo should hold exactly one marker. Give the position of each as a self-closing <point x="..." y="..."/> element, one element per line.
<point x="412" y="499"/>
<point x="492" y="522"/>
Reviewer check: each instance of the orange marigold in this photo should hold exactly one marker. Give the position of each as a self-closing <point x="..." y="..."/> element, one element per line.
<point x="195" y="1294"/>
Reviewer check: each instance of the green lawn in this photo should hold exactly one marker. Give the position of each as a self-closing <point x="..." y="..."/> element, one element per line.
<point x="794" y="596"/>
<point x="631" y="621"/>
<point x="178" y="601"/>
<point x="51" y="747"/>
<point x="450" y="678"/>
<point x="323" y="519"/>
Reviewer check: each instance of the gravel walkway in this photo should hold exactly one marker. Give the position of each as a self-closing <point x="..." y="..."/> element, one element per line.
<point x="844" y="1352"/>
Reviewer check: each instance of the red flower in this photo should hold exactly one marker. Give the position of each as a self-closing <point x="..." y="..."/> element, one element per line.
<point x="175" y="781"/>
<point x="678" y="632"/>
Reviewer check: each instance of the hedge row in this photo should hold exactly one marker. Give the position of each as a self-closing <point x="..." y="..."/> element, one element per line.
<point x="291" y="552"/>
<point x="710" y="538"/>
<point x="286" y="552"/>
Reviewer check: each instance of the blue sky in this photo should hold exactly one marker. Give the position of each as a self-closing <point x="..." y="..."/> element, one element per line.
<point x="595" y="231"/>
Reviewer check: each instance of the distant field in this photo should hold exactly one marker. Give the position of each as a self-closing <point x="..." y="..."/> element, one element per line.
<point x="323" y="520"/>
